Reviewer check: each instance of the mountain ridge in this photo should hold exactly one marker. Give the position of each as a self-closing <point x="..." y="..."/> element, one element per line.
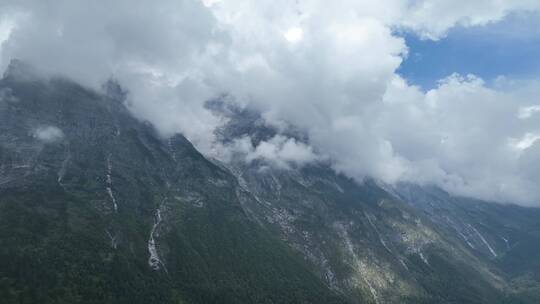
<point x="97" y="207"/>
<point x="101" y="189"/>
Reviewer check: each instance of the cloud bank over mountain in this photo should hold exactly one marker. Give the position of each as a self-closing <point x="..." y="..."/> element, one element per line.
<point x="327" y="68"/>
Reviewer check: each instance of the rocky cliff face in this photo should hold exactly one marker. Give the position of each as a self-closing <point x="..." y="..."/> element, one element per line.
<point x="362" y="240"/>
<point x="505" y="236"/>
<point x="95" y="207"/>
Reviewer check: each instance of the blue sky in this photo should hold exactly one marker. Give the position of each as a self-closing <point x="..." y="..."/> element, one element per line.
<point x="510" y="48"/>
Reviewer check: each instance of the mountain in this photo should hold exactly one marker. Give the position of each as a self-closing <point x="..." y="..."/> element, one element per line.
<point x="506" y="235"/>
<point x="97" y="207"/>
<point x="365" y="242"/>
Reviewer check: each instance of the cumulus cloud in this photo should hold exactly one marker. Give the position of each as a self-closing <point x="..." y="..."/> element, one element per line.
<point x="463" y="136"/>
<point x="49" y="134"/>
<point x="432" y="19"/>
<point x="161" y="53"/>
<point x="279" y="151"/>
<point x="328" y="69"/>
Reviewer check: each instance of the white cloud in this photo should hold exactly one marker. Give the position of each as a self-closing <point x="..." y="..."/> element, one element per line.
<point x="294" y="34"/>
<point x="7" y="24"/>
<point x="433" y="18"/>
<point x="464" y="137"/>
<point x="161" y="53"/>
<point x="525" y="142"/>
<point x="327" y="68"/>
<point x="527" y="112"/>
<point x="49" y="134"/>
<point x="279" y="151"/>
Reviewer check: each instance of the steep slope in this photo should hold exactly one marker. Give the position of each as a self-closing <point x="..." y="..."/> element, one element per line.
<point x="363" y="241"/>
<point x="96" y="208"/>
<point x="506" y="235"/>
